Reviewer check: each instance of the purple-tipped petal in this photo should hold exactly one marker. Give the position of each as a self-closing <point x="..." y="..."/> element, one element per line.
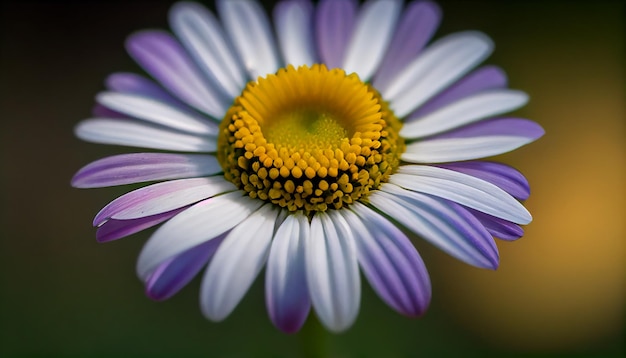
<point x="390" y="262"/>
<point x="161" y="55"/>
<point x="441" y="222"/>
<point x="500" y="228"/>
<point x="514" y="127"/>
<point x="474" y="141"/>
<point x="334" y="22"/>
<point x="162" y="197"/>
<point x="141" y="167"/>
<point x="174" y="274"/>
<point x="418" y="24"/>
<point x="463" y="189"/>
<point x="116" y="229"/>
<point x="502" y="175"/>
<point x="286" y="292"/>
<point x="484" y="78"/>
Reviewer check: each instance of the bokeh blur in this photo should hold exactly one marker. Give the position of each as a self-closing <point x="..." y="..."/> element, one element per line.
<point x="559" y="290"/>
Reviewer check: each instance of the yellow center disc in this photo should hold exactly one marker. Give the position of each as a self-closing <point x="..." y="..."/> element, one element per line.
<point x="309" y="139"/>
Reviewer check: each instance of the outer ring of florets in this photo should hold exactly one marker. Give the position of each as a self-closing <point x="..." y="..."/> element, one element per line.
<point x="313" y="177"/>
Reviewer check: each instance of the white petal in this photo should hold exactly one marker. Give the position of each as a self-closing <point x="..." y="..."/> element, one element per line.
<point x="332" y="271"/>
<point x="294" y="27"/>
<point x="200" y="223"/>
<point x="463" y="189"/>
<point x="136" y="133"/>
<point x="237" y="262"/>
<point x="436" y="68"/>
<point x="440" y="150"/>
<point x="157" y="112"/>
<point x="202" y="35"/>
<point x="249" y="29"/>
<point x="286" y="291"/>
<point x="436" y="221"/>
<point x="467" y="110"/>
<point x="372" y="34"/>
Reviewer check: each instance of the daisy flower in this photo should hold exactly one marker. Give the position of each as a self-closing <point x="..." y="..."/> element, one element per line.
<point x="309" y="144"/>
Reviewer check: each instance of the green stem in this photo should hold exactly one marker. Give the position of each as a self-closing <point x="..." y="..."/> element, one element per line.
<point x="313" y="339"/>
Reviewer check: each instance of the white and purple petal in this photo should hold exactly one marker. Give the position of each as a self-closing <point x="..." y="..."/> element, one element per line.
<point x="163" y="57"/>
<point x="202" y="35"/>
<point x="140" y="167"/>
<point x="201" y="222"/>
<point x="440" y="65"/>
<point x="236" y="264"/>
<point x="463" y="189"/>
<point x="286" y="291"/>
<point x="482" y="79"/>
<point x="174" y="274"/>
<point x="474" y="141"/>
<point x="500" y="228"/>
<point x="504" y="176"/>
<point x="465" y="111"/>
<point x="112" y="229"/>
<point x="443" y="223"/>
<point x="372" y="33"/>
<point x="390" y="262"/>
<point x="419" y="21"/>
<point x="162" y="197"/>
<point x="294" y="28"/>
<point x="136" y="133"/>
<point x="332" y="271"/>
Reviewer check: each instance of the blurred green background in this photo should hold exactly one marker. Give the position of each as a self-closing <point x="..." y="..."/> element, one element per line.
<point x="559" y="290"/>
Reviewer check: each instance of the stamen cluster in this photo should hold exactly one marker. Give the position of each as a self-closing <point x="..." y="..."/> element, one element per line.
<point x="309" y="139"/>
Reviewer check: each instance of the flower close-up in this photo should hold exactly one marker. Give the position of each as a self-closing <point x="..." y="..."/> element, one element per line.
<point x="311" y="145"/>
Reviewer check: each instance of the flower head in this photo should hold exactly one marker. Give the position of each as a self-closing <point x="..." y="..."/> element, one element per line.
<point x="311" y="154"/>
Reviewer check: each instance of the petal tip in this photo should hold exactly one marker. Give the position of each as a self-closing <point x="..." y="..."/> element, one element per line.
<point x="75" y="182"/>
<point x="540" y="132"/>
<point x="526" y="219"/>
<point x="138" y="40"/>
<point x="155" y="296"/>
<point x="480" y="36"/>
<point x="180" y="11"/>
<point x="104" y="236"/>
<point x="289" y="326"/>
<point x="79" y="181"/>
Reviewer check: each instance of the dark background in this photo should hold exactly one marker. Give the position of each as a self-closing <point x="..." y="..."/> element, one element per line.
<point x="559" y="290"/>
